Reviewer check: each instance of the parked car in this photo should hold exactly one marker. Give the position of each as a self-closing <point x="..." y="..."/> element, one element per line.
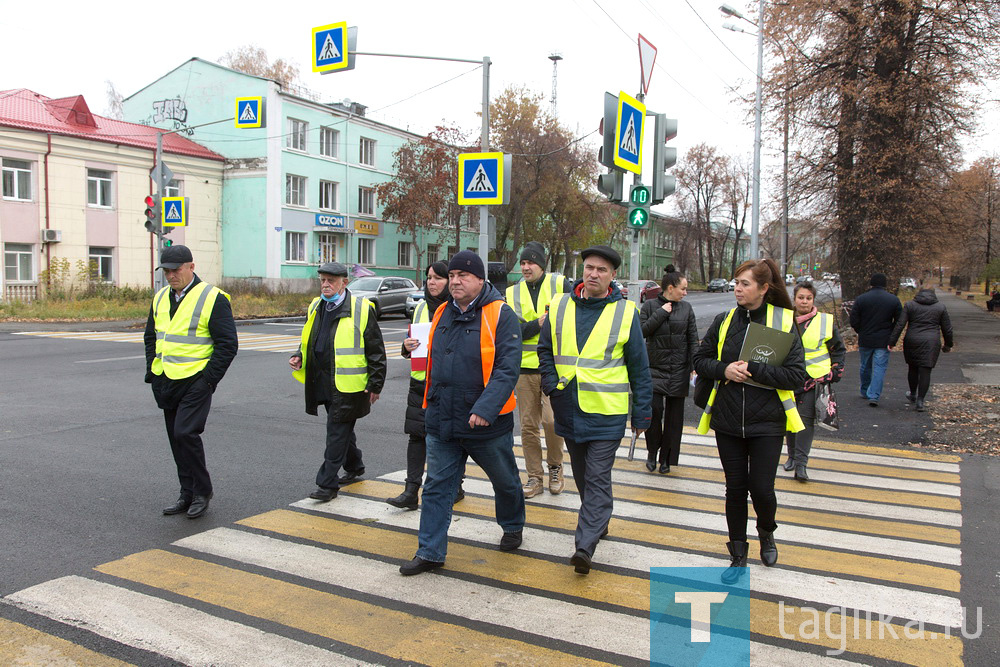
<point x="388" y="293"/>
<point x="732" y="284"/>
<point x="803" y="279"/>
<point x="411" y="302"/>
<point x="621" y="286"/>
<point x="789" y="279"/>
<point x="650" y="290"/>
<point x="718" y="285"/>
<point x="908" y="283"/>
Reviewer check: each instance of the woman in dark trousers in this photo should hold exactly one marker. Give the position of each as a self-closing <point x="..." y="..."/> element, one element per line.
<point x="750" y="421"/>
<point x="926" y="320"/>
<point x="671" y="334"/>
<point x="824" y="357"/>
<point x="435" y="293"/>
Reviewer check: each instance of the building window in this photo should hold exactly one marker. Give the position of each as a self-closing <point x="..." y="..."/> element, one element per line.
<point x="17" y="180"/>
<point x="102" y="264"/>
<point x="297" y="134"/>
<point x="328" y="195"/>
<point x="367" y="153"/>
<point x="366" y="201"/>
<point x="99" y="188"/>
<point x="295" y="246"/>
<point x="433" y="253"/>
<point x="295" y="190"/>
<point x="17" y="262"/>
<point x="405" y="253"/>
<point x="329" y="142"/>
<point x="327" y="247"/>
<point x="452" y="251"/>
<point x="173" y="188"/>
<point x="366" y="251"/>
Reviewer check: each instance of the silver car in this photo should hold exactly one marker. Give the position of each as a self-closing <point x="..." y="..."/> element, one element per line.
<point x="388" y="293"/>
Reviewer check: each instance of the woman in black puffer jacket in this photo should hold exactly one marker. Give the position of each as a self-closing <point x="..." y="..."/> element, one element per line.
<point x="926" y="320"/>
<point x="671" y="334"/>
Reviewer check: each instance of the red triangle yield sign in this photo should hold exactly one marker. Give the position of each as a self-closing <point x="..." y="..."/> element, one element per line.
<point x="647" y="58"/>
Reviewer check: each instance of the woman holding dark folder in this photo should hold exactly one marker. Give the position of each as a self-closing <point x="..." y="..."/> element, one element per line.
<point x="750" y="420"/>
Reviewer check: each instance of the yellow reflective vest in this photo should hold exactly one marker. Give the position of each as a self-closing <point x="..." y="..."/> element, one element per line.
<point x="814" y="340"/>
<point x="777" y="318"/>
<point x="519" y="298"/>
<point x="420" y="314"/>
<point x="350" y="366"/>
<point x="183" y="342"/>
<point x="602" y="383"/>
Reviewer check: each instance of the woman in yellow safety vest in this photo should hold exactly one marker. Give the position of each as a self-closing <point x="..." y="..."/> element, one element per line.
<point x="750" y="420"/>
<point x="824" y="356"/>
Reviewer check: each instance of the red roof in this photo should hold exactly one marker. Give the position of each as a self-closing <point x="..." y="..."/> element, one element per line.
<point x="70" y="116"/>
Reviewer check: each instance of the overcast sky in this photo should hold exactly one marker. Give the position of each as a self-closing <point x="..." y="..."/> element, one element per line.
<point x="63" y="48"/>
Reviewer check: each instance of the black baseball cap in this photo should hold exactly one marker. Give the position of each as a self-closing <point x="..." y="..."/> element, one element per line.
<point x="174" y="256"/>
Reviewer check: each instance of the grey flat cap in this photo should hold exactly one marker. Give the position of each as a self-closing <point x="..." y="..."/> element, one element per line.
<point x="333" y="269"/>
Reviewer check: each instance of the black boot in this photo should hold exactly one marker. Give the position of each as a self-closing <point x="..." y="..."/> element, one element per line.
<point x="738" y="567"/>
<point x="768" y="549"/>
<point x="789" y="464"/>
<point x="460" y="494"/>
<point x="407" y="500"/>
<point x="651" y="461"/>
<point x="800" y="472"/>
<point x="920" y="405"/>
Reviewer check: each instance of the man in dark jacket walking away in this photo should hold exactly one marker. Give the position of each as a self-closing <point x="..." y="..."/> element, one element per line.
<point x="474" y="356"/>
<point x="873" y="316"/>
<point x="926" y="320"/>
<point x="341" y="362"/>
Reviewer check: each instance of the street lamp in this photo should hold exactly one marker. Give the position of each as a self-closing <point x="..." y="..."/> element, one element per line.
<point x="755" y="207"/>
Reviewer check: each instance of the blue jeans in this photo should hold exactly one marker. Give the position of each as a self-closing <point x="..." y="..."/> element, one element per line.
<point x="445" y="465"/>
<point x="874" y="361"/>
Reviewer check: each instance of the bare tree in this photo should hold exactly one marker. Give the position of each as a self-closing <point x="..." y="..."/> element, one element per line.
<point x="114" y="101"/>
<point x="251" y="59"/>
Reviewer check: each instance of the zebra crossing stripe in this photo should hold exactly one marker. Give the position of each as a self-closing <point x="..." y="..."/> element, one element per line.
<point x="21" y="645"/>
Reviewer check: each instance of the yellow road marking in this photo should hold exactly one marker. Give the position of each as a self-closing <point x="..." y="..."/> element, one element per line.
<point x="22" y="645"/>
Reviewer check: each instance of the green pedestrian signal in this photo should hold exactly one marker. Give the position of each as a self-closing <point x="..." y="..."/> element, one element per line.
<point x="639" y="195"/>
<point x="638" y="218"/>
<point x="638" y="210"/>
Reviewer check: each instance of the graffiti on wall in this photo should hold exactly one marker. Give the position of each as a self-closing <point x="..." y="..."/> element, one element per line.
<point x="171" y="110"/>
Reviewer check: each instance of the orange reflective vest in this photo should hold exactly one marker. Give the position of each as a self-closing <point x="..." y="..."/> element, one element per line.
<point x="487" y="344"/>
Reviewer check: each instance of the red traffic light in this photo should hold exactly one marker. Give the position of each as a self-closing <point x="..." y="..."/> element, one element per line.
<point x="150" y="201"/>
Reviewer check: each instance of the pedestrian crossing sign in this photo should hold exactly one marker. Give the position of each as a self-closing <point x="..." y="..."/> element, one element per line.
<point x="329" y="47"/>
<point x="250" y="112"/>
<point x="174" y="211"/>
<point x="483" y="178"/>
<point x="628" y="133"/>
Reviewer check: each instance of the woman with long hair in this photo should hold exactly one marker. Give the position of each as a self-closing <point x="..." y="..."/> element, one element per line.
<point x="750" y="420"/>
<point x="824" y="358"/>
<point x="671" y="334"/>
<point x="926" y="321"/>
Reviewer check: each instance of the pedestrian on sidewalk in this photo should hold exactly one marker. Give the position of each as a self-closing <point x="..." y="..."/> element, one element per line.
<point x="750" y="421"/>
<point x="530" y="298"/>
<point x="873" y="316"/>
<point x="474" y="357"/>
<point x="824" y="358"/>
<point x="671" y="333"/>
<point x="190" y="342"/>
<point x="591" y="354"/>
<point x="926" y="321"/>
<point x="341" y="362"/>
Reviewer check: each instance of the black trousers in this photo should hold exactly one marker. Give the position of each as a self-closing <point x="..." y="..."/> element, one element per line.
<point x="416" y="456"/>
<point x="185" y="424"/>
<point x="919" y="379"/>
<point x="750" y="465"/>
<point x="341" y="452"/>
<point x="664" y="434"/>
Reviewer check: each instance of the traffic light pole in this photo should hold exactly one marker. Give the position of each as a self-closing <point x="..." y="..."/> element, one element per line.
<point x="158" y="280"/>
<point x="634" y="251"/>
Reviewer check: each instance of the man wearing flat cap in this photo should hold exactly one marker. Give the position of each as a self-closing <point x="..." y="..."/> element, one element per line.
<point x="190" y="341"/>
<point x="591" y="353"/>
<point x="530" y="298"/>
<point x="341" y="362"/>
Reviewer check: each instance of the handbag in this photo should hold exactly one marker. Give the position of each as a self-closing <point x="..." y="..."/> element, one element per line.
<point x="827" y="413"/>
<point x="702" y="391"/>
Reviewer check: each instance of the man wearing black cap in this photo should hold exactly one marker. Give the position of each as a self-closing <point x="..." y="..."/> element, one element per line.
<point x="474" y="355"/>
<point x="341" y="362"/>
<point x="873" y="316"/>
<point x="591" y="353"/>
<point x="190" y="341"/>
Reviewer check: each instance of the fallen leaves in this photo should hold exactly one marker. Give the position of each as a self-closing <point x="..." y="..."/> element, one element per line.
<point x="966" y="418"/>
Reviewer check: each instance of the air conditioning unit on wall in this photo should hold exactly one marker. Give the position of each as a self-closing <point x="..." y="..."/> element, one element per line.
<point x="51" y="236"/>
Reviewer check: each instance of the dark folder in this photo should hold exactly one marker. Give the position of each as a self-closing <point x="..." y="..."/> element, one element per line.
<point x="766" y="346"/>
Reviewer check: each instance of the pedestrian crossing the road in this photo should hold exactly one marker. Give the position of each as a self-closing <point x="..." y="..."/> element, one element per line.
<point x="872" y="541"/>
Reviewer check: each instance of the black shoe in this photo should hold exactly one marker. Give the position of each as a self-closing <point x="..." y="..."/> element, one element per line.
<point x="910" y="396"/>
<point x="664" y="468"/>
<point x="510" y="541"/>
<point x="580" y="562"/>
<point x="800" y="473"/>
<point x="651" y="464"/>
<point x="873" y="402"/>
<point x="199" y="505"/>
<point x="182" y="504"/>
<point x="738" y="565"/>
<point x="459" y="495"/>
<point x="768" y="550"/>
<point x="789" y="464"/>
<point x="323" y="494"/>
<point x="407" y="500"/>
<point x="418" y="565"/>
<point x="920" y="405"/>
<point x="350" y="477"/>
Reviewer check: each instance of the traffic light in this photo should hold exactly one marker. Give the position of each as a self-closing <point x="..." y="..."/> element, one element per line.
<point x="664" y="157"/>
<point x="638" y="207"/>
<point x="153" y="214"/>
<point x="606" y="154"/>
<point x="612" y="185"/>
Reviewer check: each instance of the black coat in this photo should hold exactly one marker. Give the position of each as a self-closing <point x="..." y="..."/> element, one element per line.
<point x="926" y="320"/>
<point x="873" y="316"/>
<point x="741" y="409"/>
<point x="671" y="339"/>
